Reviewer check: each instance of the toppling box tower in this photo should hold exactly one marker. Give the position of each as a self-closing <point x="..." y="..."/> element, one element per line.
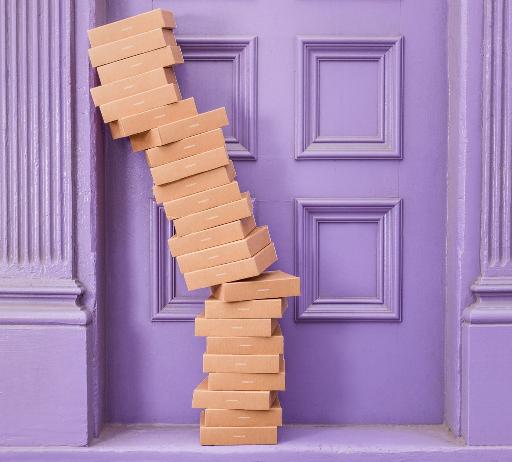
<point x="216" y="241"/>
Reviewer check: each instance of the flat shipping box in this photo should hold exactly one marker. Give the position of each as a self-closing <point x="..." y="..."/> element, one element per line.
<point x="233" y="271"/>
<point x="230" y="345"/>
<point x="271" y="284"/>
<point x="176" y="131"/>
<point x="211" y="237"/>
<point x="235" y="436"/>
<point x="215" y="216"/>
<point x="253" y="364"/>
<point x="139" y="64"/>
<point x="194" y="184"/>
<point x="185" y="148"/>
<point x="249" y="400"/>
<point x="147" y="120"/>
<point x="225" y="253"/>
<point x="174" y="171"/>
<point x="242" y="418"/>
<point x="233" y="327"/>
<point x="131" y="46"/>
<point x="203" y="200"/>
<point x="131" y="26"/>
<point x="140" y="102"/>
<point x="132" y="85"/>
<point x="247" y="381"/>
<point x="247" y="309"/>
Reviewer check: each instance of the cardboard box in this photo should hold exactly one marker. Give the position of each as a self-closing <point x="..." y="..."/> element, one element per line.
<point x="233" y="327"/>
<point x="228" y="436"/>
<point x="211" y="237"/>
<point x="255" y="364"/>
<point x="204" y="200"/>
<point x="249" y="400"/>
<point x="247" y="381"/>
<point x="104" y="94"/>
<point x="134" y="25"/>
<point x="139" y="64"/>
<point x="242" y="418"/>
<point x="233" y="271"/>
<point x="271" y="284"/>
<point x="147" y="120"/>
<point x="131" y="46"/>
<point x="174" y="171"/>
<point x="176" y="131"/>
<point x="194" y="184"/>
<point x="230" y="345"/>
<point x="225" y="253"/>
<point x="215" y="216"/>
<point x="140" y="102"/>
<point x="247" y="309"/>
<point x="185" y="148"/>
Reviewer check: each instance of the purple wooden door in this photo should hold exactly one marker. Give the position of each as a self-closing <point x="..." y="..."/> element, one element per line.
<point x="338" y="116"/>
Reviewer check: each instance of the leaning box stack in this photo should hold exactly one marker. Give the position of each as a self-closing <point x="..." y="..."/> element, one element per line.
<point x="216" y="242"/>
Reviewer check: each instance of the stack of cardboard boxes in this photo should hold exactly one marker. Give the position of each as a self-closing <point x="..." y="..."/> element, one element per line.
<point x="216" y="241"/>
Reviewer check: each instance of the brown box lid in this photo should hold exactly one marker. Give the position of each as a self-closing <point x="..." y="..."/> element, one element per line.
<point x="162" y="114"/>
<point x="185" y="148"/>
<point x="132" y="85"/>
<point x="176" y="131"/>
<point x="140" y="102"/>
<point x="233" y="327"/>
<point x="130" y="46"/>
<point x="202" y="200"/>
<point x="246" y="309"/>
<point x="229" y="345"/>
<point x="250" y="400"/>
<point x="255" y="364"/>
<point x="225" y="253"/>
<point x="237" y="436"/>
<point x="194" y="184"/>
<point x="248" y="381"/>
<point x="174" y="171"/>
<point x="211" y="237"/>
<point x="139" y="64"/>
<point x="243" y="418"/>
<point x="133" y="25"/>
<point x="233" y="271"/>
<point x="271" y="284"/>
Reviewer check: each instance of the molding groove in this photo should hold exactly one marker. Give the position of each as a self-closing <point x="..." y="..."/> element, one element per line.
<point x="311" y="52"/>
<point x="387" y="214"/>
<point x="242" y="52"/>
<point x="493" y="289"/>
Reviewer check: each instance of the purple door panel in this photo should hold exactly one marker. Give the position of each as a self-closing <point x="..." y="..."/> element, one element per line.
<point x="338" y="129"/>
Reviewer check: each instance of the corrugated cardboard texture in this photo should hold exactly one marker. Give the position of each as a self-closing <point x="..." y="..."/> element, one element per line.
<point x="211" y="237"/>
<point x="233" y="327"/>
<point x="194" y="184"/>
<point x="134" y="25"/>
<point x="271" y="284"/>
<point x="189" y="166"/>
<point x="229" y="345"/>
<point x="249" y="400"/>
<point x="131" y="46"/>
<point x="242" y="418"/>
<point x="185" y="148"/>
<point x="228" y="436"/>
<point x="132" y="85"/>
<point x="203" y="200"/>
<point x="163" y="114"/>
<point x="253" y="364"/>
<point x="233" y="271"/>
<point x="247" y="309"/>
<point x="226" y="253"/>
<point x="162" y="57"/>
